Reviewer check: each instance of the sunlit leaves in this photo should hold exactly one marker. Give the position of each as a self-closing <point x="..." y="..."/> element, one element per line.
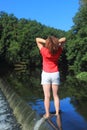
<point x="82" y="76"/>
<point x="17" y="38"/>
<point x="77" y="43"/>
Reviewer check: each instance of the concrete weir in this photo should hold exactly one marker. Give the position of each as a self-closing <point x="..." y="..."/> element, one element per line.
<point x="24" y="114"/>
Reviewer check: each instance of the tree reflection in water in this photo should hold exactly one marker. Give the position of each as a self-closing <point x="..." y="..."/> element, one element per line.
<point x="27" y="85"/>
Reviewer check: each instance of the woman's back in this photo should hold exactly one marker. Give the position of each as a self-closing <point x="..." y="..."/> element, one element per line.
<point x="50" y="61"/>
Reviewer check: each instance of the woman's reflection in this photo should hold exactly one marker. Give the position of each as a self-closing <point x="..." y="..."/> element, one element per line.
<point x="58" y="125"/>
<point x="58" y="121"/>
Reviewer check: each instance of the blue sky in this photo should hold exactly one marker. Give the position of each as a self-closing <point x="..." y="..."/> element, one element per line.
<point x="53" y="13"/>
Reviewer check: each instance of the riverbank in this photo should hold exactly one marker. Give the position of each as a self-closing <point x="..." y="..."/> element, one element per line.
<point x="28" y="118"/>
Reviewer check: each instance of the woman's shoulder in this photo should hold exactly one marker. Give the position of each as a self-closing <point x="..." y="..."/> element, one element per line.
<point x="44" y="50"/>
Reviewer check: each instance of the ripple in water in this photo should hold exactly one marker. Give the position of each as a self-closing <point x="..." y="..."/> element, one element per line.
<point x="7" y="119"/>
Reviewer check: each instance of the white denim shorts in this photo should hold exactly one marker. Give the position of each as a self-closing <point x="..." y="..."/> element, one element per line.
<point x="50" y="78"/>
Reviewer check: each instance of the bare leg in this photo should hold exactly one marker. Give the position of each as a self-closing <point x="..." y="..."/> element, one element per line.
<point x="56" y="98"/>
<point x="46" y="89"/>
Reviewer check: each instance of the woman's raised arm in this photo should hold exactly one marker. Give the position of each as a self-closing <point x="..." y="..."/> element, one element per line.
<point x="40" y="42"/>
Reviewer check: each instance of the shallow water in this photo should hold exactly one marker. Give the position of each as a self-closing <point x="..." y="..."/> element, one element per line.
<point x="7" y="119"/>
<point x="73" y="97"/>
<point x="70" y="118"/>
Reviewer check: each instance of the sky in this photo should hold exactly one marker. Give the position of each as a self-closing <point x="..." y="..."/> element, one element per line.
<point x="52" y="13"/>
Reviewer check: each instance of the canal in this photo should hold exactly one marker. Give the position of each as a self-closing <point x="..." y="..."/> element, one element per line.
<point x="72" y="93"/>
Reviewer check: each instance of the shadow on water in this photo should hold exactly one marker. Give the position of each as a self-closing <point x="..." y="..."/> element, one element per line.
<point x="73" y="96"/>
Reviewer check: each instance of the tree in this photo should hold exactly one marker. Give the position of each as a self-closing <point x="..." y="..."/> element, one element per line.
<point x="76" y="45"/>
<point x="17" y="39"/>
<point x="8" y="33"/>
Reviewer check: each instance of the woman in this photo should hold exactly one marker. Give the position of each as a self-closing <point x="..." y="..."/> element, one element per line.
<point x="50" y="49"/>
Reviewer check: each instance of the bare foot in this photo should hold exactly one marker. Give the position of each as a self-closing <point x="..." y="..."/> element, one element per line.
<point x="46" y="116"/>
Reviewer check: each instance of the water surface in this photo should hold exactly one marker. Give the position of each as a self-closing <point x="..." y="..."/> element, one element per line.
<point x="7" y="119"/>
<point x="72" y="93"/>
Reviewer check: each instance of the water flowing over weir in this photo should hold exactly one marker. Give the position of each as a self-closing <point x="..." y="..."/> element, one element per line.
<point x="24" y="114"/>
<point x="7" y="119"/>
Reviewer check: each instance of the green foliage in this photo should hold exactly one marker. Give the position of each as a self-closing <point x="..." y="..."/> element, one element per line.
<point x="77" y="42"/>
<point x="8" y="33"/>
<point x="17" y="39"/>
<point x="12" y="51"/>
<point x="83" y="2"/>
<point x="82" y="76"/>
